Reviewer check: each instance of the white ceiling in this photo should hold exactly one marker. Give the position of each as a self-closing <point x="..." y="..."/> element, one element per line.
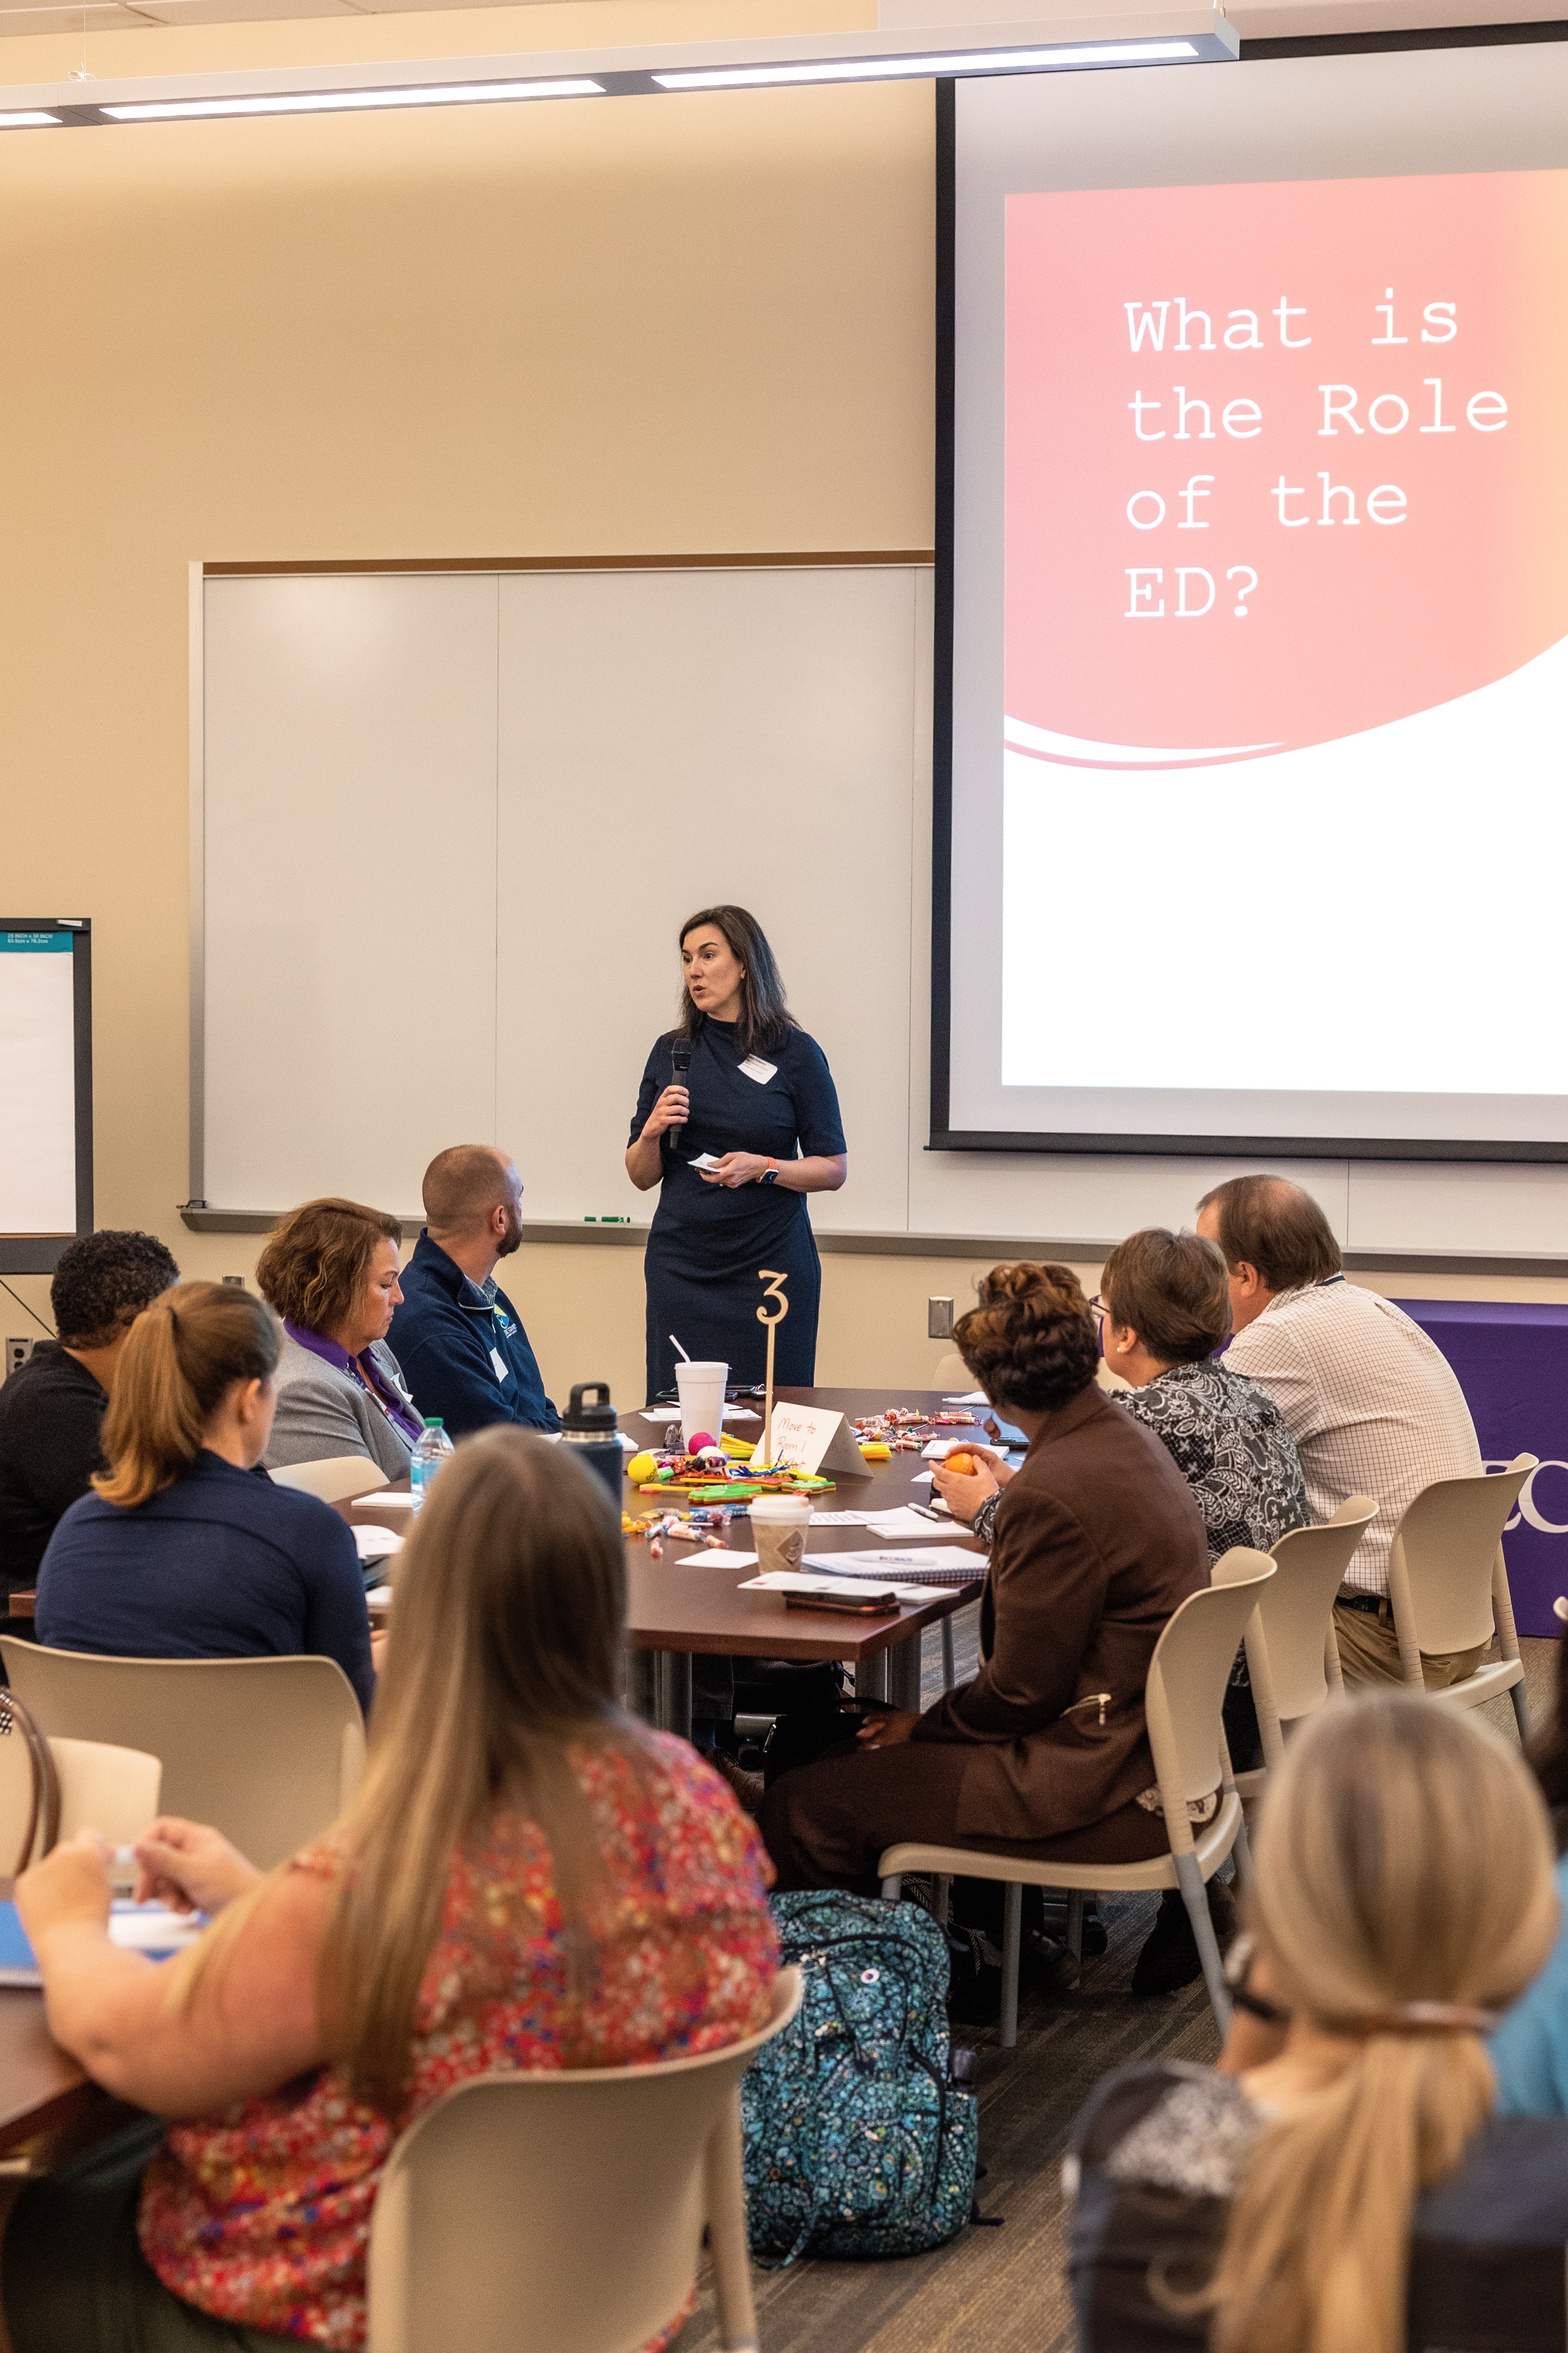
<point x="119" y="16"/>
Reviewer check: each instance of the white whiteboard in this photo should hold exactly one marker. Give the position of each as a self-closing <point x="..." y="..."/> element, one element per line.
<point x="38" y="1083"/>
<point x="450" y="825"/>
<point x="453" y="822"/>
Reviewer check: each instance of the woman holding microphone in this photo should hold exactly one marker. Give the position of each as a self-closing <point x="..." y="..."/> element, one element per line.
<point x="734" y="1145"/>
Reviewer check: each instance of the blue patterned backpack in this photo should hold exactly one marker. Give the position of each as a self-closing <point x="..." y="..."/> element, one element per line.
<point x="857" y="2144"/>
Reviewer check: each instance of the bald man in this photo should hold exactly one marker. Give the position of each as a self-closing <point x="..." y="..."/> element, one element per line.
<point x="458" y="1337"/>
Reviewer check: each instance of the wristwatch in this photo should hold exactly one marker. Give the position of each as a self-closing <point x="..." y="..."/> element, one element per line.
<point x="770" y="1174"/>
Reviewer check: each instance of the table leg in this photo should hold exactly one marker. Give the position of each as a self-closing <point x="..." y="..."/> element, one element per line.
<point x="642" y="1689"/>
<point x="904" y="1674"/>
<point x="674" y="1692"/>
<point x="871" y="1677"/>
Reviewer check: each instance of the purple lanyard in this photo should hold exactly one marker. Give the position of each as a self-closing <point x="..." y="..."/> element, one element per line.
<point x="367" y="1375"/>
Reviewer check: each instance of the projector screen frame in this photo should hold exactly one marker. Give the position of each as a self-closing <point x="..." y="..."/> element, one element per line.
<point x="943" y="1137"/>
<point x="40" y="1253"/>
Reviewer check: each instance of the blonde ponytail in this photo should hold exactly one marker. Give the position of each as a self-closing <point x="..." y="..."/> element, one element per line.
<point x="182" y="1356"/>
<point x="1403" y="1867"/>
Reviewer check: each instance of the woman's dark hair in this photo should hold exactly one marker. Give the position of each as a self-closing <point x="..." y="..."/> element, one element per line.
<point x="1268" y="1223"/>
<point x="103" y="1282"/>
<point x="765" y="1019"/>
<point x="317" y="1262"/>
<point x="182" y="1356"/>
<point x="1170" y="1288"/>
<point x="1030" y="1341"/>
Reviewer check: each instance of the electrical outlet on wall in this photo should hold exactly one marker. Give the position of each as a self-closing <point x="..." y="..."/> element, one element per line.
<point x="939" y="1319"/>
<point x="17" y="1354"/>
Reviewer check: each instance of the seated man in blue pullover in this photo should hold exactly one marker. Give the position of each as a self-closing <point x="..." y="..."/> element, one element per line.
<point x="458" y="1339"/>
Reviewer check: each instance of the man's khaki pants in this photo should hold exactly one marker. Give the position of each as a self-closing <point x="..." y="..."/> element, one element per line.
<point x="1369" y="1652"/>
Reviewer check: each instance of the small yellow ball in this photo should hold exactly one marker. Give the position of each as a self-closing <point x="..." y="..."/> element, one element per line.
<point x="641" y="1467"/>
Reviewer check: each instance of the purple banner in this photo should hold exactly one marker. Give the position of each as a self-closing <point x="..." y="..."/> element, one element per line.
<point x="1511" y="1360"/>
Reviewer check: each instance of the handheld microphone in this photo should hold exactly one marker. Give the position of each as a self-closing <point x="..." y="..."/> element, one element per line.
<point x="681" y="1061"/>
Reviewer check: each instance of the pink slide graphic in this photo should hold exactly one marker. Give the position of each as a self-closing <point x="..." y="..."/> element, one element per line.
<point x="1284" y="462"/>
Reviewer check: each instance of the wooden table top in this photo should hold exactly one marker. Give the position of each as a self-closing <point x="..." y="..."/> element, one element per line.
<point x="681" y="1603"/>
<point x="49" y="2105"/>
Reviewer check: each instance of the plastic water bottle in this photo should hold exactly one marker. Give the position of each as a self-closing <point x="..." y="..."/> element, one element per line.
<point x="434" y="1449"/>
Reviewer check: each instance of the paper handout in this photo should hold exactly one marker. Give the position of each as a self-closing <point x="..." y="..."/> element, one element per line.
<point x="897" y="1527"/>
<point x="375" y="1543"/>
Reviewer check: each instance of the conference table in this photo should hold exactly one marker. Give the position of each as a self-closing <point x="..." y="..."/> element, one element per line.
<point x="680" y="1606"/>
<point x="677" y="1607"/>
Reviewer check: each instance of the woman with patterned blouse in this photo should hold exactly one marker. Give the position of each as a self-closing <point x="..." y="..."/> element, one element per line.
<point x="1164" y="1308"/>
<point x="526" y="1879"/>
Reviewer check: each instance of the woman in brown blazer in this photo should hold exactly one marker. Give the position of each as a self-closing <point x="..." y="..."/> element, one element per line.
<point x="1096" y="1540"/>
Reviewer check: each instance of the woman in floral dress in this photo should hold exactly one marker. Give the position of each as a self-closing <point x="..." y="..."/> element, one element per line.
<point x="526" y="1879"/>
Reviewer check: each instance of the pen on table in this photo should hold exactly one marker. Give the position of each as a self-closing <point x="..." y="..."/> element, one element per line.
<point x="925" y="1511"/>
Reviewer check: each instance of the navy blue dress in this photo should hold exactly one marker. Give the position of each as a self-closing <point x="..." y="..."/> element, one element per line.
<point x="708" y="1242"/>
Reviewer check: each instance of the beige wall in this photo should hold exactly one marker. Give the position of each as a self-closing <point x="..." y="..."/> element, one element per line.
<point x="655" y="326"/>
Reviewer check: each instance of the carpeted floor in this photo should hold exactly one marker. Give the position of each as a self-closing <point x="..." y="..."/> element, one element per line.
<point x="1005" y="2289"/>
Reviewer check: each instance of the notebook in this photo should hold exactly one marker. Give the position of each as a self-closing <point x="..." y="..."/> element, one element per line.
<point x="939" y="1565"/>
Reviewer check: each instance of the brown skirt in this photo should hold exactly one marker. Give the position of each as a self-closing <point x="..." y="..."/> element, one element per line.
<point x="828" y="1824"/>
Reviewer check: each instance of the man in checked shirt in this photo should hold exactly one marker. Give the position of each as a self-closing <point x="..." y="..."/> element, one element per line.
<point x="1371" y="1401"/>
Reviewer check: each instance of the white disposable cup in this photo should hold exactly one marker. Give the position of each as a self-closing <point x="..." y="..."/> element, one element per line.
<point x="700" y="1388"/>
<point x="779" y="1524"/>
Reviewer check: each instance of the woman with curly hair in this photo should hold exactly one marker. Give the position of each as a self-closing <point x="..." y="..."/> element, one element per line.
<point x="1045" y="1754"/>
<point x="330" y="1269"/>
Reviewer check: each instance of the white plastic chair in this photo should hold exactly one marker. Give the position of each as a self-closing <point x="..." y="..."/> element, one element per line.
<point x="1183" y="1697"/>
<point x="565" y="2210"/>
<point x="1447" y="1584"/>
<point x="269" y="1751"/>
<point x="336" y="1479"/>
<point x="1292" y="1657"/>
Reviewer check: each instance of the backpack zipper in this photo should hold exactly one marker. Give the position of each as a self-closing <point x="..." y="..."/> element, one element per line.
<point x="1101" y="1700"/>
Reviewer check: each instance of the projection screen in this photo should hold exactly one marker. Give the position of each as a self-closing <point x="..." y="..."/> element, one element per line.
<point x="1251" y="784"/>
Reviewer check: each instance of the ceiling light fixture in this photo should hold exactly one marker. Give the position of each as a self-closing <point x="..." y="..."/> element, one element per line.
<point x="338" y="101"/>
<point x="974" y="61"/>
<point x="790" y="60"/>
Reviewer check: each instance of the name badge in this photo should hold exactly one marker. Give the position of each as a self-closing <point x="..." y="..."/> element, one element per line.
<point x="755" y="1067"/>
<point x="503" y="1370"/>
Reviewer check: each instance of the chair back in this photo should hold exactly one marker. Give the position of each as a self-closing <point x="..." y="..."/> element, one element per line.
<point x="562" y="2209"/>
<point x="1296" y="1612"/>
<point x="336" y="1479"/>
<point x="1185" y="1691"/>
<point x="116" y="1791"/>
<point x="269" y="1751"/>
<point x="1446" y="1556"/>
<point x="29" y="1788"/>
<point x="50" y="1789"/>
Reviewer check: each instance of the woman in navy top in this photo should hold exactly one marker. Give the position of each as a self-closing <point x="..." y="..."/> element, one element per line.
<point x="760" y="1103"/>
<point x="187" y="1550"/>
